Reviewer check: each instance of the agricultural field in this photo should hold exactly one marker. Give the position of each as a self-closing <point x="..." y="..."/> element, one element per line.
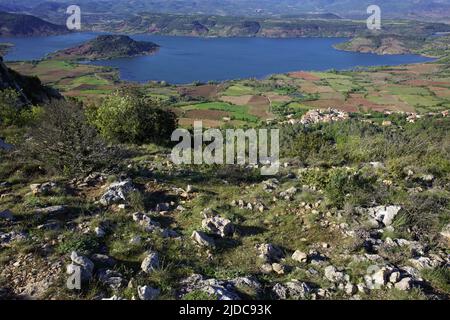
<point x="417" y="88"/>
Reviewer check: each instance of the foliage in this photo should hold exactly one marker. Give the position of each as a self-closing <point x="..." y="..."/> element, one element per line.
<point x="133" y="118"/>
<point x="64" y="142"/>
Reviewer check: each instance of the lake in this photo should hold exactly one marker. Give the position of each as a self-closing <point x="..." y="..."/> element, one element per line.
<point x="189" y="59"/>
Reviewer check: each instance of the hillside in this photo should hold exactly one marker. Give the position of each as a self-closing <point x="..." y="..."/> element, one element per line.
<point x="107" y="47"/>
<point x="13" y="25"/>
<point x="31" y="87"/>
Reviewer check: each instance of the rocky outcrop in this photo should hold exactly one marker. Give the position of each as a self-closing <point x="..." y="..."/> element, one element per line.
<point x="31" y="89"/>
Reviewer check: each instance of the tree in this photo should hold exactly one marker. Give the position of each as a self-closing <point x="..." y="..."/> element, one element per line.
<point x="64" y="142"/>
<point x="133" y="118"/>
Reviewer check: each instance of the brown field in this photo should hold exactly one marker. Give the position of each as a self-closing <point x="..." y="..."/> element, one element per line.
<point x="259" y="107"/>
<point x="237" y="100"/>
<point x="304" y="76"/>
<point x="186" y="122"/>
<point x="206" y="114"/>
<point x="207" y="91"/>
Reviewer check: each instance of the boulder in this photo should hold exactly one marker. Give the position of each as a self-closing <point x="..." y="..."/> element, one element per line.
<point x="221" y="290"/>
<point x="202" y="239"/>
<point x="293" y="289"/>
<point x="218" y="225"/>
<point x="384" y="214"/>
<point x="82" y="263"/>
<point x="110" y="278"/>
<point x="148" y="293"/>
<point x="404" y="284"/>
<point x="42" y="188"/>
<point x="53" y="210"/>
<point x="150" y="262"/>
<point x="332" y="274"/>
<point x="269" y="252"/>
<point x="117" y="192"/>
<point x="299" y="256"/>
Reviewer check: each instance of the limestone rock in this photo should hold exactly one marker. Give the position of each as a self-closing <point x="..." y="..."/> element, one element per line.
<point x="150" y="262"/>
<point x="202" y="239"/>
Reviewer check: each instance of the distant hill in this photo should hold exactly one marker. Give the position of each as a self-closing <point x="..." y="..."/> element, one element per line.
<point x="21" y="25"/>
<point x="107" y="47"/>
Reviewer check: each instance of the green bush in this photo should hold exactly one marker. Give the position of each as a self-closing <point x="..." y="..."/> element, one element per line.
<point x="131" y="118"/>
<point x="64" y="142"/>
<point x="13" y="111"/>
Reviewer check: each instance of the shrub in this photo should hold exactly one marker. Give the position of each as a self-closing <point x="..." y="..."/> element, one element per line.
<point x="64" y="142"/>
<point x="132" y="118"/>
<point x="13" y="112"/>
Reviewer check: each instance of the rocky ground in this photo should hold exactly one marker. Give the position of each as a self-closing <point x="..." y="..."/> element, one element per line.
<point x="157" y="231"/>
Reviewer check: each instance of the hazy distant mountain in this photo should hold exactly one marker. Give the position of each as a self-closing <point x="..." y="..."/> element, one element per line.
<point x="26" y="25"/>
<point x="429" y="9"/>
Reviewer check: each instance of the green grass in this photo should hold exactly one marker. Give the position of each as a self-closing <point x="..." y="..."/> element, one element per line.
<point x="239" y="90"/>
<point x="237" y="112"/>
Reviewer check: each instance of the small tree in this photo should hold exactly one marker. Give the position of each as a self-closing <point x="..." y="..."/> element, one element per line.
<point x="133" y="118"/>
<point x="64" y="142"/>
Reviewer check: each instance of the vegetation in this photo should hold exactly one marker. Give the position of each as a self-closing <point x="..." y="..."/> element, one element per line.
<point x="134" y="119"/>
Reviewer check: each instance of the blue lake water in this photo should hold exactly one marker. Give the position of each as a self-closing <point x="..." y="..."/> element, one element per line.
<point x="189" y="59"/>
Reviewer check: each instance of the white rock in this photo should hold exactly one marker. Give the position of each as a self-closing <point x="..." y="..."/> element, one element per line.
<point x="150" y="262"/>
<point x="218" y="225"/>
<point x="202" y="239"/>
<point x="404" y="284"/>
<point x="148" y="293"/>
<point x="299" y="256"/>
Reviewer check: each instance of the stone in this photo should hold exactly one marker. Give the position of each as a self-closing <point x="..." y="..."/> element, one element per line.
<point x="384" y="214"/>
<point x="42" y="188"/>
<point x="150" y="262"/>
<point x="221" y="290"/>
<point x="202" y="239"/>
<point x="404" y="284"/>
<point x="110" y="278"/>
<point x="421" y="263"/>
<point x="332" y="274"/>
<point x="279" y="268"/>
<point x="394" y="277"/>
<point x="246" y="284"/>
<point x="148" y="293"/>
<point x="103" y="260"/>
<point x="299" y="256"/>
<point x="218" y="225"/>
<point x="446" y="232"/>
<point x="6" y="215"/>
<point x="380" y="277"/>
<point x="117" y="192"/>
<point x="293" y="289"/>
<point x="266" y="268"/>
<point x="269" y="252"/>
<point x="350" y="289"/>
<point x="53" y="210"/>
<point x="82" y="263"/>
<point x="99" y="232"/>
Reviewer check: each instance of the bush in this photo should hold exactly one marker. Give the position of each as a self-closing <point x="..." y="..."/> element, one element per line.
<point x="132" y="118"/>
<point x="13" y="112"/>
<point x="64" y="142"/>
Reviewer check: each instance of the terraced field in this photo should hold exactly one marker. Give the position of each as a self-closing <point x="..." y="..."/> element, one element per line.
<point x="413" y="88"/>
